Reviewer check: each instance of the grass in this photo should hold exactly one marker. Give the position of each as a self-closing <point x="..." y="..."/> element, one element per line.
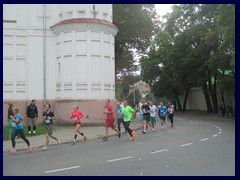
<point x="41" y="129"/>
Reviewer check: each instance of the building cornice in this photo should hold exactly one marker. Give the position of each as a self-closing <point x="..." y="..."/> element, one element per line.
<point x="85" y="24"/>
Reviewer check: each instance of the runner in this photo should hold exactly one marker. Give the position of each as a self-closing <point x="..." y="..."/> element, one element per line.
<point x="153" y="112"/>
<point x="127" y="116"/>
<point x="162" y="114"/>
<point x="75" y="116"/>
<point x="48" y="117"/>
<point x="146" y="117"/>
<point x="109" y="122"/>
<point x="142" y="101"/>
<point x="171" y="114"/>
<point x="10" y="120"/>
<point x="118" y="111"/>
<point x="18" y="129"/>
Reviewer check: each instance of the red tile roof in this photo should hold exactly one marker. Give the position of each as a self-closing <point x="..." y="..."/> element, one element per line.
<point x="85" y="20"/>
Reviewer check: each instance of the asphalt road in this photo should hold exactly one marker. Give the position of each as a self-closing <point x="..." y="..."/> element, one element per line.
<point x="195" y="146"/>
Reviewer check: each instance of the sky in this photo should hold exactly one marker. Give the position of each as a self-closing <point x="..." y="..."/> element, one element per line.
<point x="163" y="9"/>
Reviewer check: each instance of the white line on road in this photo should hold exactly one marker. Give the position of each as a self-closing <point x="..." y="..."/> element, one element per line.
<point x="204" y="139"/>
<point x="215" y="135"/>
<point x="219" y="129"/>
<point x="219" y="132"/>
<point x="112" y="160"/>
<point x="63" y="169"/>
<point x="186" y="144"/>
<point x="153" y="152"/>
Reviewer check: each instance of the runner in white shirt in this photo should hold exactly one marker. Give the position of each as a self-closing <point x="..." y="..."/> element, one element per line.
<point x="153" y="113"/>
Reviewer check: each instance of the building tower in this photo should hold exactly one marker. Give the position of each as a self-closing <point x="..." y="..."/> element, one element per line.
<point x="62" y="54"/>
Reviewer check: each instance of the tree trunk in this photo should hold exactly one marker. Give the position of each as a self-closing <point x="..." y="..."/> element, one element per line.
<point x="207" y="98"/>
<point x="213" y="91"/>
<point x="178" y="103"/>
<point x="186" y="96"/>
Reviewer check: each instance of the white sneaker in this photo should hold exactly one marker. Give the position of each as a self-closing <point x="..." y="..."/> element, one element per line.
<point x="45" y="148"/>
<point x="153" y="129"/>
<point x="58" y="142"/>
<point x="162" y="127"/>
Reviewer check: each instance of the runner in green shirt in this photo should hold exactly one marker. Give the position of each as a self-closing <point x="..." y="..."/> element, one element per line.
<point x="127" y="117"/>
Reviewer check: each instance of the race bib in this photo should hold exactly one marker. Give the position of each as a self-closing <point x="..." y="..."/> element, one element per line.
<point x="75" y="118"/>
<point x="47" y="121"/>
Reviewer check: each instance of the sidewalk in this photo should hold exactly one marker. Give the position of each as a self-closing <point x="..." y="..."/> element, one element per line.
<point x="65" y="135"/>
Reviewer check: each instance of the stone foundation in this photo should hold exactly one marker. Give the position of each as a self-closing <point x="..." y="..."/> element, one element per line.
<point x="92" y="108"/>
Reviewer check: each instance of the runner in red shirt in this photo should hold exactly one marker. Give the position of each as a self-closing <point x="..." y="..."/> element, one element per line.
<point x="109" y="122"/>
<point x="75" y="116"/>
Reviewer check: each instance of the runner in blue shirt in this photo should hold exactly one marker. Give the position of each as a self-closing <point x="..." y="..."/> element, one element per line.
<point x="162" y="114"/>
<point x="118" y="111"/>
<point x="18" y="129"/>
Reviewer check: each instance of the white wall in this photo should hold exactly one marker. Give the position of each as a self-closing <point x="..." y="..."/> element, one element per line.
<point x="80" y="64"/>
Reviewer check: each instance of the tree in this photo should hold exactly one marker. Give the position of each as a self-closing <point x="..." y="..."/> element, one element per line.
<point x="136" y="28"/>
<point x="190" y="51"/>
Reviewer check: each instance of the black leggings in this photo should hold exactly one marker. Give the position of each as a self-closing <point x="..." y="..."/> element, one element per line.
<point x="171" y="117"/>
<point x="21" y="134"/>
<point x="126" y="126"/>
<point x="119" y="121"/>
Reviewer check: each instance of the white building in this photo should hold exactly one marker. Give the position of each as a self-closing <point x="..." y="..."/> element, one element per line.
<point x="63" y="54"/>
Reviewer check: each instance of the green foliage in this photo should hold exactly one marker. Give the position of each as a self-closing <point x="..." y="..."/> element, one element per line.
<point x="136" y="27"/>
<point x="195" y="47"/>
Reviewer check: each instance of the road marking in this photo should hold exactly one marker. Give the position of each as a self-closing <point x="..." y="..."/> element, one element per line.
<point x="186" y="144"/>
<point x="63" y="169"/>
<point x="204" y="139"/>
<point x="219" y="132"/>
<point x="112" y="160"/>
<point x="215" y="135"/>
<point x="153" y="152"/>
<point x="219" y="129"/>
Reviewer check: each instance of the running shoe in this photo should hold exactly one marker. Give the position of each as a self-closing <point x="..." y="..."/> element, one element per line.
<point x="162" y="127"/>
<point x="58" y="142"/>
<point x="119" y="134"/>
<point x="153" y="129"/>
<point x="73" y="142"/>
<point x="133" y="134"/>
<point x="131" y="138"/>
<point x="29" y="149"/>
<point x="85" y="137"/>
<point x="45" y="148"/>
<point x="144" y="132"/>
<point x="12" y="151"/>
<point x="105" y="138"/>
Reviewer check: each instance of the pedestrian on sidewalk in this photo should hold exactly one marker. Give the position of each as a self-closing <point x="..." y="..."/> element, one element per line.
<point x="48" y="117"/>
<point x="109" y="122"/>
<point x="10" y="119"/>
<point x="153" y="112"/>
<point x="171" y="114"/>
<point x="162" y="111"/>
<point x="75" y="116"/>
<point x="128" y="114"/>
<point x="18" y="129"/>
<point x="146" y="117"/>
<point x="32" y="115"/>
<point x="229" y="109"/>
<point x="223" y="109"/>
<point x="118" y="111"/>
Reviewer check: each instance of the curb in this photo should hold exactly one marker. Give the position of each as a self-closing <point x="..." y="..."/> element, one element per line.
<point x="67" y="142"/>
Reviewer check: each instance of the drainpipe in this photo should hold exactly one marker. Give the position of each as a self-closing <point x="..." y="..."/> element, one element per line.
<point x="44" y="55"/>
